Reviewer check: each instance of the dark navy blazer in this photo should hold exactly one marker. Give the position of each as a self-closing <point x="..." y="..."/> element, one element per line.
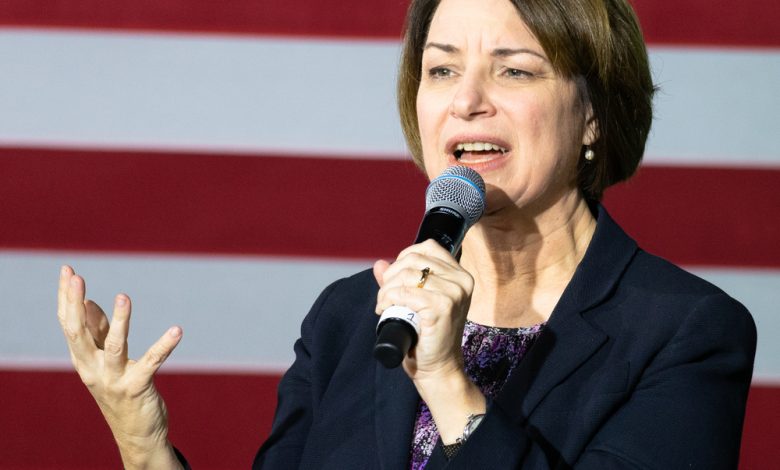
<point x="641" y="365"/>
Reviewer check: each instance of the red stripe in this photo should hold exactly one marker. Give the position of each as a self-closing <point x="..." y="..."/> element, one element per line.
<point x="710" y="22"/>
<point x="338" y="18"/>
<point x="716" y="22"/>
<point x="295" y="206"/>
<point x="761" y="432"/>
<point x="218" y="421"/>
<point x="154" y="202"/>
<point x="702" y="216"/>
<point x="51" y="422"/>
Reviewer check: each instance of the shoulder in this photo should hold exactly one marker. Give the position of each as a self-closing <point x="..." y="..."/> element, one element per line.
<point x="659" y="275"/>
<point x="348" y="289"/>
<point x="658" y="298"/>
<point x="346" y="295"/>
<point x="657" y="279"/>
<point x="344" y="306"/>
<point x="645" y="294"/>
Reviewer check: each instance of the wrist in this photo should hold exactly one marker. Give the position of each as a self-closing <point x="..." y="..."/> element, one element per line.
<point x="452" y="399"/>
<point x="451" y="373"/>
<point x="473" y="420"/>
<point x="143" y="456"/>
<point x="452" y="380"/>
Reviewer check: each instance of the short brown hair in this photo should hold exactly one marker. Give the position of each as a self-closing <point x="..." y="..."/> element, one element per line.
<point x="596" y="42"/>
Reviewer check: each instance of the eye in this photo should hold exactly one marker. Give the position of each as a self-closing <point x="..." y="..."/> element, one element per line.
<point x="439" y="73"/>
<point x="516" y="73"/>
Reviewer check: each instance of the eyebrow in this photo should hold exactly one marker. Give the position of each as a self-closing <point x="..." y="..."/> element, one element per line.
<point x="448" y="48"/>
<point x="499" y="52"/>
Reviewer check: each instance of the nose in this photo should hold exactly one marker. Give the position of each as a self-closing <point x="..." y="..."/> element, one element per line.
<point x="471" y="100"/>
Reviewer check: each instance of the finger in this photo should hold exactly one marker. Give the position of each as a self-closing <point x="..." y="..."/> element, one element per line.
<point x="154" y="357"/>
<point x="97" y="323"/>
<point x="74" y="325"/>
<point x="408" y="270"/>
<point x="380" y="266"/>
<point x="115" y="345"/>
<point x="430" y="248"/>
<point x="405" y="276"/>
<point x="66" y="272"/>
<point x="418" y="300"/>
<point x="437" y="294"/>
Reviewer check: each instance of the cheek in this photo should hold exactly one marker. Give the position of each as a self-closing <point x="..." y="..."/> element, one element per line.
<point x="426" y="117"/>
<point x="553" y="131"/>
<point x="429" y="122"/>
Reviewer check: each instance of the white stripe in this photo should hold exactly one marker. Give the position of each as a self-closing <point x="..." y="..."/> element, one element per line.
<point x="240" y="314"/>
<point x="250" y="95"/>
<point x="236" y="313"/>
<point x="211" y="93"/>
<point x="766" y="380"/>
<point x="715" y="107"/>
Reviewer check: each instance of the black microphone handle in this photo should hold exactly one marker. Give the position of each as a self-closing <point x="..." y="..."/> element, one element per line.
<point x="445" y="226"/>
<point x="397" y="335"/>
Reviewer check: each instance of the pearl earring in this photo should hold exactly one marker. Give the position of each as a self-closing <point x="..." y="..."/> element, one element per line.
<point x="590" y="155"/>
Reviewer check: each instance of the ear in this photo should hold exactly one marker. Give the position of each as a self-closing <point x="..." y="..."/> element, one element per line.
<point x="591" y="133"/>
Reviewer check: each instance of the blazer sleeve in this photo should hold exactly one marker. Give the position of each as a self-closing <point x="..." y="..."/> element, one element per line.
<point x="293" y="418"/>
<point x="686" y="411"/>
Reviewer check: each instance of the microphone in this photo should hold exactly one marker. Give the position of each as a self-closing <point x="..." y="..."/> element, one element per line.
<point x="454" y="201"/>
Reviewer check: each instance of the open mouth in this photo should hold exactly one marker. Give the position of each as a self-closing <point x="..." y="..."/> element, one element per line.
<point x="477" y="152"/>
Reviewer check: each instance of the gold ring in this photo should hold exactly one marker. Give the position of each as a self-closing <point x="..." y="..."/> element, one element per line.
<point x="424" y="277"/>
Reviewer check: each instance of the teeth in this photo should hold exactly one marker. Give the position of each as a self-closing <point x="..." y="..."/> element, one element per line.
<point x="479" y="147"/>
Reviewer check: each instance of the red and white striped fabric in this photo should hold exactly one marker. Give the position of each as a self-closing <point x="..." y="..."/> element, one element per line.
<point x="221" y="162"/>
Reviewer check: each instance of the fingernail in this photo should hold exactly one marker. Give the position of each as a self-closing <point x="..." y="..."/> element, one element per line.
<point x="121" y="300"/>
<point x="64" y="270"/>
<point x="174" y="331"/>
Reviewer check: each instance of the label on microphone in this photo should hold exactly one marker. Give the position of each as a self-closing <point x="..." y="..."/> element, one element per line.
<point x="403" y="313"/>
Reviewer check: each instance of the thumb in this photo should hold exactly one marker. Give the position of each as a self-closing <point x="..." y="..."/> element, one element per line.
<point x="380" y="266"/>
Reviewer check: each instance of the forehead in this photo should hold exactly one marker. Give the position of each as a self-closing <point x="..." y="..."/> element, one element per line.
<point x="486" y="23"/>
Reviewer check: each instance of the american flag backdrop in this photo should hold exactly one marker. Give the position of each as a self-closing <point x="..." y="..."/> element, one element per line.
<point x="222" y="162"/>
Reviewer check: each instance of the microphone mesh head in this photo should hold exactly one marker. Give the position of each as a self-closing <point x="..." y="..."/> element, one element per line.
<point x="459" y="188"/>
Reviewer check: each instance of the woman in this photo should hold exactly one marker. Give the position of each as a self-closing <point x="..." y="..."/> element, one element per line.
<point x="553" y="342"/>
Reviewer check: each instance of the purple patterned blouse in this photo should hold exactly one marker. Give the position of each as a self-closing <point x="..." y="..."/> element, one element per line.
<point x="490" y="354"/>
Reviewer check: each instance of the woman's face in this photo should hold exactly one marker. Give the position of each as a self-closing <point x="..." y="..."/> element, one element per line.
<point x="489" y="99"/>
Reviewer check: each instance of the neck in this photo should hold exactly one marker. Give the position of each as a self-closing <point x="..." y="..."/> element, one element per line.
<point x="523" y="260"/>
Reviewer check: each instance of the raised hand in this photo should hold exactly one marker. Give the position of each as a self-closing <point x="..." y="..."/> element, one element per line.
<point x="123" y="388"/>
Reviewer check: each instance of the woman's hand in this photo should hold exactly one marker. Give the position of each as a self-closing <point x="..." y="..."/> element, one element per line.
<point x="123" y="389"/>
<point x="435" y="364"/>
<point x="442" y="304"/>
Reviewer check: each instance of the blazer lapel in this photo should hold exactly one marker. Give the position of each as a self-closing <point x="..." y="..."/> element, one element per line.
<point x="568" y="339"/>
<point x="395" y="403"/>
